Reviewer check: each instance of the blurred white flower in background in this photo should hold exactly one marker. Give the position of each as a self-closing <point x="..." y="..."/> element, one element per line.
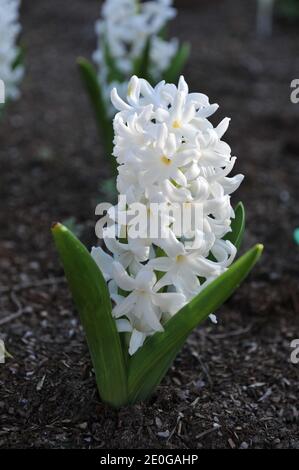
<point x="10" y="71"/>
<point x="123" y="32"/>
<point x="168" y="152"/>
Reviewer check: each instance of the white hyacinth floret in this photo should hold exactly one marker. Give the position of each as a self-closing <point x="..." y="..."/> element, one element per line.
<point x="10" y="28"/>
<point x="169" y="153"/>
<point x="124" y="30"/>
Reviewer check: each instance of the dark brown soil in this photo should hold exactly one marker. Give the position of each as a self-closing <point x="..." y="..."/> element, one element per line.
<point x="233" y="385"/>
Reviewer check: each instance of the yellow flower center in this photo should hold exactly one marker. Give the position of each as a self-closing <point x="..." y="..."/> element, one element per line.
<point x="130" y="90"/>
<point x="176" y="124"/>
<point x="165" y="160"/>
<point x="180" y="258"/>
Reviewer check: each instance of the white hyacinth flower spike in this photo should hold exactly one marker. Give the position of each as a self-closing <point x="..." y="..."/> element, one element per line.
<point x="168" y="260"/>
<point x="131" y="39"/>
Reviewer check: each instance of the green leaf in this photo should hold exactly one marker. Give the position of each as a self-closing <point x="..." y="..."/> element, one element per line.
<point x="149" y="364"/>
<point x="7" y="354"/>
<point x="237" y="226"/>
<point x="90" y="79"/>
<point x="91" y="83"/>
<point x="289" y="9"/>
<point x="20" y="57"/>
<point x="172" y="74"/>
<point x="114" y="75"/>
<point x="108" y="189"/>
<point x="141" y="65"/>
<point x="2" y="109"/>
<point x="237" y="229"/>
<point x="92" y="299"/>
<point x="163" y="33"/>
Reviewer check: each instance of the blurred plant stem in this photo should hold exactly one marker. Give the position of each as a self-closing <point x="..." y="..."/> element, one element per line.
<point x="265" y="18"/>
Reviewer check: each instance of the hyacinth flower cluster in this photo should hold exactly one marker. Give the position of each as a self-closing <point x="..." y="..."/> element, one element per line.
<point x="169" y="154"/>
<point x="131" y="40"/>
<point x="141" y="296"/>
<point x="11" y="69"/>
<point x="126" y="26"/>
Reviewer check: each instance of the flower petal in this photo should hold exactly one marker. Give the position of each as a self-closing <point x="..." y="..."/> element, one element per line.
<point x="121" y="277"/>
<point x="170" y="303"/>
<point x="136" y="341"/>
<point x="103" y="260"/>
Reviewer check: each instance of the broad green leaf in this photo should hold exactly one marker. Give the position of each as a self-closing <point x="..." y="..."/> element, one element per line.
<point x="174" y="70"/>
<point x="92" y="299"/>
<point x="90" y="80"/>
<point x="237" y="226"/>
<point x="148" y="366"/>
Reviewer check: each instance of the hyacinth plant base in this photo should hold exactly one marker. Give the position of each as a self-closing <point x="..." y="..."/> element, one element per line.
<point x="124" y="380"/>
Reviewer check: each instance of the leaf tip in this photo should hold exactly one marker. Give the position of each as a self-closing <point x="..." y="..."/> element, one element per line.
<point x="57" y="226"/>
<point x="8" y="355"/>
<point x="260" y="248"/>
<point x="80" y="60"/>
<point x="187" y="46"/>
